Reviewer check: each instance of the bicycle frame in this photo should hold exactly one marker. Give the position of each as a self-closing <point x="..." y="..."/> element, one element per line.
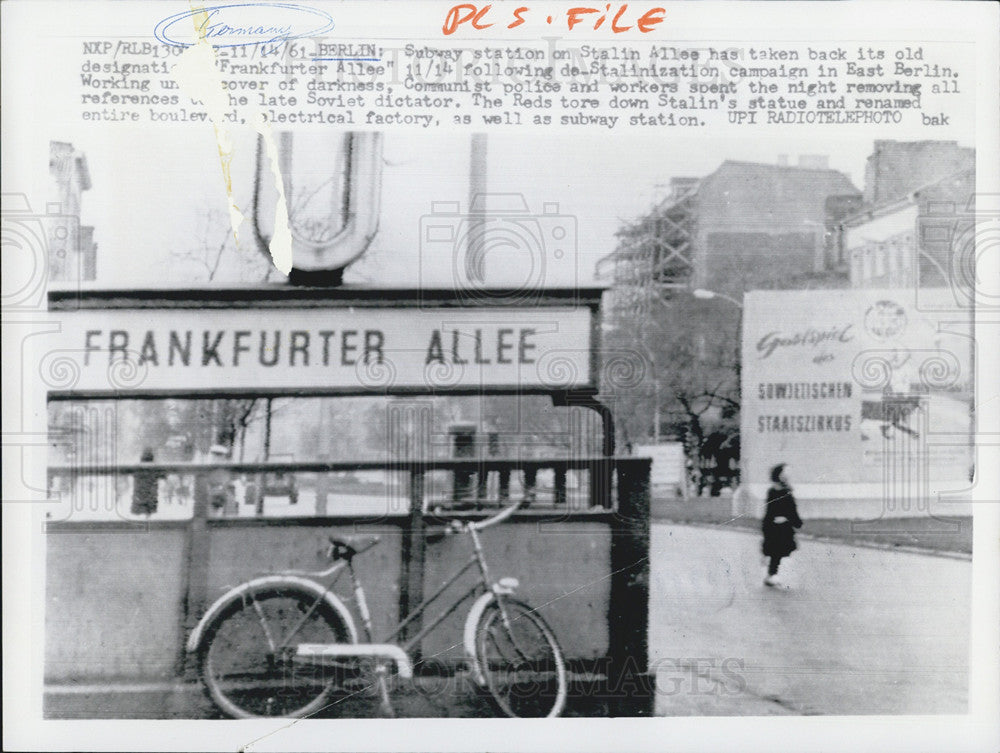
<point x="319" y="587"/>
<point x="321" y="584"/>
<point x="481" y="587"/>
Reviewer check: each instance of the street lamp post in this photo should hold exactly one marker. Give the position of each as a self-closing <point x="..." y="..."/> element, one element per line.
<point x="708" y="295"/>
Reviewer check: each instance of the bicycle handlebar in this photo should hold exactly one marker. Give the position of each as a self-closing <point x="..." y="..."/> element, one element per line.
<point x="500" y="517"/>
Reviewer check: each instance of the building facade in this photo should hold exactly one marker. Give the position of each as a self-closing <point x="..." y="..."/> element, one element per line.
<point x="72" y="250"/>
<point x="914" y="241"/>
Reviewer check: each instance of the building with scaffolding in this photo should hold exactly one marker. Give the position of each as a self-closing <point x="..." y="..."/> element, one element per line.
<point x="751" y="226"/>
<point x="745" y="225"/>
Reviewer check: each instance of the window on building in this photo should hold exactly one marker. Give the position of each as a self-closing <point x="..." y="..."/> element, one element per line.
<point x="879" y="260"/>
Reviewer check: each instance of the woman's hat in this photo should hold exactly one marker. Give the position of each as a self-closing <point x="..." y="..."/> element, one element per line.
<point x="776" y="472"/>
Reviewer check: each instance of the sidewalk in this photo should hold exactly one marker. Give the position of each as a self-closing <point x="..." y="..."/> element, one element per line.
<point x="861" y="631"/>
<point x="424" y="697"/>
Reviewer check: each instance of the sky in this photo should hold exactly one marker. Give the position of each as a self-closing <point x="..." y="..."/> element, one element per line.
<point x="158" y="192"/>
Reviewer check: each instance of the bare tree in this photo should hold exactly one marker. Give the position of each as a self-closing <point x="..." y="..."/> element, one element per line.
<point x="690" y="347"/>
<point x="216" y="252"/>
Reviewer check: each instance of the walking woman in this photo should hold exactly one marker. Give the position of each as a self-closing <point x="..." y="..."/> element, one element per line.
<point x="145" y="487"/>
<point x="780" y="521"/>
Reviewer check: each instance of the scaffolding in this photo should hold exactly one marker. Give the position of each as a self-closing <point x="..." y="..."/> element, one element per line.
<point x="655" y="254"/>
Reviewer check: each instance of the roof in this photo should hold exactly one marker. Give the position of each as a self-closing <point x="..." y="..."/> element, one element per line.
<point x="744" y="194"/>
<point x="776" y="168"/>
<point x="764" y="169"/>
<point x="913" y="197"/>
<point x="785" y="172"/>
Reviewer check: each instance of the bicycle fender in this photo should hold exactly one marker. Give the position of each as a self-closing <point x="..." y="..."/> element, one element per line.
<point x="237" y="593"/>
<point x="469" y="635"/>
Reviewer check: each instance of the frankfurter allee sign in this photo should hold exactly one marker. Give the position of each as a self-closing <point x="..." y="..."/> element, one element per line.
<point x="321" y="349"/>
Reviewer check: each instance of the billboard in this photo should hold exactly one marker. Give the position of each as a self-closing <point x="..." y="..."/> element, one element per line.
<point x="862" y="392"/>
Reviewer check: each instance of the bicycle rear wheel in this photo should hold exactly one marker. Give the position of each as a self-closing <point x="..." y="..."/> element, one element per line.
<point x="247" y="660"/>
<point x="521" y="660"/>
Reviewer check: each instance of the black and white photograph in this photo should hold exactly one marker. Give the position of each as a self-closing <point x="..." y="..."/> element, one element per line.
<point x="470" y="364"/>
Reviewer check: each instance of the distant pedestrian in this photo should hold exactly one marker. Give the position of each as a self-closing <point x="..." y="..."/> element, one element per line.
<point x="780" y="521"/>
<point x="145" y="487"/>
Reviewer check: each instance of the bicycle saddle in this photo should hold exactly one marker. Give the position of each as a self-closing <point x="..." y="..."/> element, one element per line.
<point x="350" y="546"/>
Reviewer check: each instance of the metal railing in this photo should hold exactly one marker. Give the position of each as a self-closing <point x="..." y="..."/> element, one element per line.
<point x="565" y="484"/>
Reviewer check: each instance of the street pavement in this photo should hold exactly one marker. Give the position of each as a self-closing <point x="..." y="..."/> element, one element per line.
<point x="859" y="631"/>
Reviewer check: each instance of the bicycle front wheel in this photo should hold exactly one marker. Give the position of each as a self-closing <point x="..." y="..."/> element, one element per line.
<point x="248" y="661"/>
<point x="521" y="660"/>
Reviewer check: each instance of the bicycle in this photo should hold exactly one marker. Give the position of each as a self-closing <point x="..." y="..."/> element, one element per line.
<point x="282" y="644"/>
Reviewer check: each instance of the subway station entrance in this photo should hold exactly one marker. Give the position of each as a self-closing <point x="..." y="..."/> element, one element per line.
<point x="443" y="378"/>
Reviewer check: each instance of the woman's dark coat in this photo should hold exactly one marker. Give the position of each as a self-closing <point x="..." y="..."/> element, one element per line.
<point x="779" y="538"/>
<point x="145" y="492"/>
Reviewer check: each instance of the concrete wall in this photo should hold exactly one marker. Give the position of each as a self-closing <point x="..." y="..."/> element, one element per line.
<point x="562" y="569"/>
<point x="241" y="550"/>
<point x="113" y="602"/>
<point x="115" y="598"/>
<point x="757" y="257"/>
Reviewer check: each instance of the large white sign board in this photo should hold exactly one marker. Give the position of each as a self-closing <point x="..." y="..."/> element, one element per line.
<point x="123" y="352"/>
<point x="854" y="388"/>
